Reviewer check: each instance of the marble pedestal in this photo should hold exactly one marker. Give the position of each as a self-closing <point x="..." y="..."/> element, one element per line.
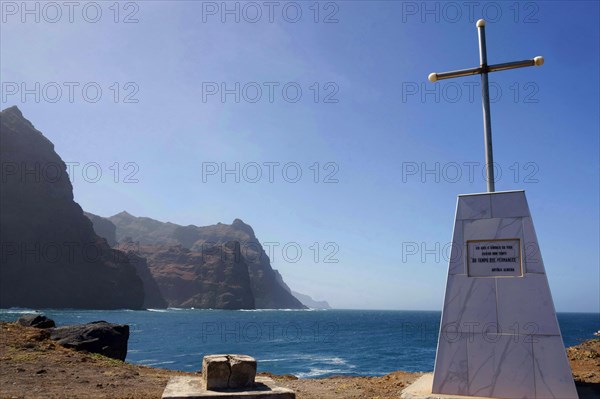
<point x="499" y="336"/>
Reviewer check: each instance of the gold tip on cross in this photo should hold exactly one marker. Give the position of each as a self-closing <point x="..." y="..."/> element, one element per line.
<point x="538" y="61"/>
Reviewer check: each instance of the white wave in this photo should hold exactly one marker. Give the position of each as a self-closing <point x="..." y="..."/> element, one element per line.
<point x="333" y="360"/>
<point x="313" y="359"/>
<point x="160" y="363"/>
<point x="277" y="310"/>
<point x="319" y="372"/>
<point x="272" y="360"/>
<point x="185" y="355"/>
<point x="19" y="311"/>
<point x="158" y="310"/>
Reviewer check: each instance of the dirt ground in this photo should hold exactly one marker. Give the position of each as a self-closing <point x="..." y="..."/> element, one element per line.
<point x="32" y="366"/>
<point x="386" y="387"/>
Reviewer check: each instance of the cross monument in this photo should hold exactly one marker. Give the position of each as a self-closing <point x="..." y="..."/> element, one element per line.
<point x="499" y="336"/>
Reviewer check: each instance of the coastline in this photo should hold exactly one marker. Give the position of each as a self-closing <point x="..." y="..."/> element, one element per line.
<point x="32" y="366"/>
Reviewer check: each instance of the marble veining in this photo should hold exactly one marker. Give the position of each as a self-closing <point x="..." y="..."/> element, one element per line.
<point x="452" y="363"/>
<point x="500" y="365"/>
<point x="474" y="207"/>
<point x="532" y="254"/>
<point x="494" y="228"/>
<point x="509" y="205"/>
<point x="552" y="378"/>
<point x="499" y="336"/>
<point x="470" y="305"/>
<point x="525" y="305"/>
<point x="457" y="263"/>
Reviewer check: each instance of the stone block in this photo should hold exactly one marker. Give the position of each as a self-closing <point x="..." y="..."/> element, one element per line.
<point x="243" y="371"/>
<point x="220" y="372"/>
<point x="216" y="372"/>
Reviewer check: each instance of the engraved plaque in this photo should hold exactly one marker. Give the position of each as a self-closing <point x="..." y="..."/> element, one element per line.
<point x="494" y="258"/>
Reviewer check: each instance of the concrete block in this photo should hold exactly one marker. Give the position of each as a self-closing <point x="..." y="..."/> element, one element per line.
<point x="228" y="372"/>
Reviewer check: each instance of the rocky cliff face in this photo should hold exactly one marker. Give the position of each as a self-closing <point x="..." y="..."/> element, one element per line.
<point x="153" y="298"/>
<point x="50" y="255"/>
<point x="266" y="284"/>
<point x="216" y="280"/>
<point x="104" y="228"/>
<point x="311" y="303"/>
<point x="143" y="230"/>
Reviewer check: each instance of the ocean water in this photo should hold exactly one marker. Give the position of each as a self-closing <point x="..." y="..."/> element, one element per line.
<point x="303" y="343"/>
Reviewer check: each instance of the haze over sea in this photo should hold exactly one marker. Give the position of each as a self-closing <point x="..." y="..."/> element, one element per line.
<point x="302" y="343"/>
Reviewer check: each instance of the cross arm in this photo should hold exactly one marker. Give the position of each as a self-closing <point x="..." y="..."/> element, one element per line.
<point x="537" y="61"/>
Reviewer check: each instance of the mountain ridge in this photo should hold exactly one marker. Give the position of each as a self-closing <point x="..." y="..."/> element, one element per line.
<point x="157" y="241"/>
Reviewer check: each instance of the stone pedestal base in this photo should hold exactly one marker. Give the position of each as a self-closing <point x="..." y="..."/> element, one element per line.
<point x="421" y="389"/>
<point x="193" y="388"/>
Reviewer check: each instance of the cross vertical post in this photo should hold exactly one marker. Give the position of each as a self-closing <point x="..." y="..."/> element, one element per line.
<point x="483" y="70"/>
<point x="485" y="100"/>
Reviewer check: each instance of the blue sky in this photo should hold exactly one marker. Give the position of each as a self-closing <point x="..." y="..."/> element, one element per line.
<point x="367" y="119"/>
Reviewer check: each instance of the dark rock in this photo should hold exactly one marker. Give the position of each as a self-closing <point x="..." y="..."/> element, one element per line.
<point x="154" y="236"/>
<point x="143" y="230"/>
<point x="210" y="280"/>
<point x="153" y="298"/>
<point x="103" y="228"/>
<point x="311" y="303"/>
<point x="100" y="337"/>
<point x="36" y="320"/>
<point x="51" y="256"/>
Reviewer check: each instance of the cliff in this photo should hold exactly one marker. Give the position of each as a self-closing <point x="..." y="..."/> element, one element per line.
<point x="153" y="298"/>
<point x="267" y="291"/>
<point x="50" y="255"/>
<point x="104" y="228"/>
<point x="217" y="280"/>
<point x="311" y="303"/>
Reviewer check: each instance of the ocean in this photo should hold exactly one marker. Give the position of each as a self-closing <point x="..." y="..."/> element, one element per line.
<point x="299" y="342"/>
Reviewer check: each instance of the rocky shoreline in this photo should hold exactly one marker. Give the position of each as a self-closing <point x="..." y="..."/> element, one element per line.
<point x="32" y="365"/>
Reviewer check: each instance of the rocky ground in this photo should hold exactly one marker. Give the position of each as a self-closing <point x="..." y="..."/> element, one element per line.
<point x="386" y="387"/>
<point x="585" y="363"/>
<point x="32" y="366"/>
